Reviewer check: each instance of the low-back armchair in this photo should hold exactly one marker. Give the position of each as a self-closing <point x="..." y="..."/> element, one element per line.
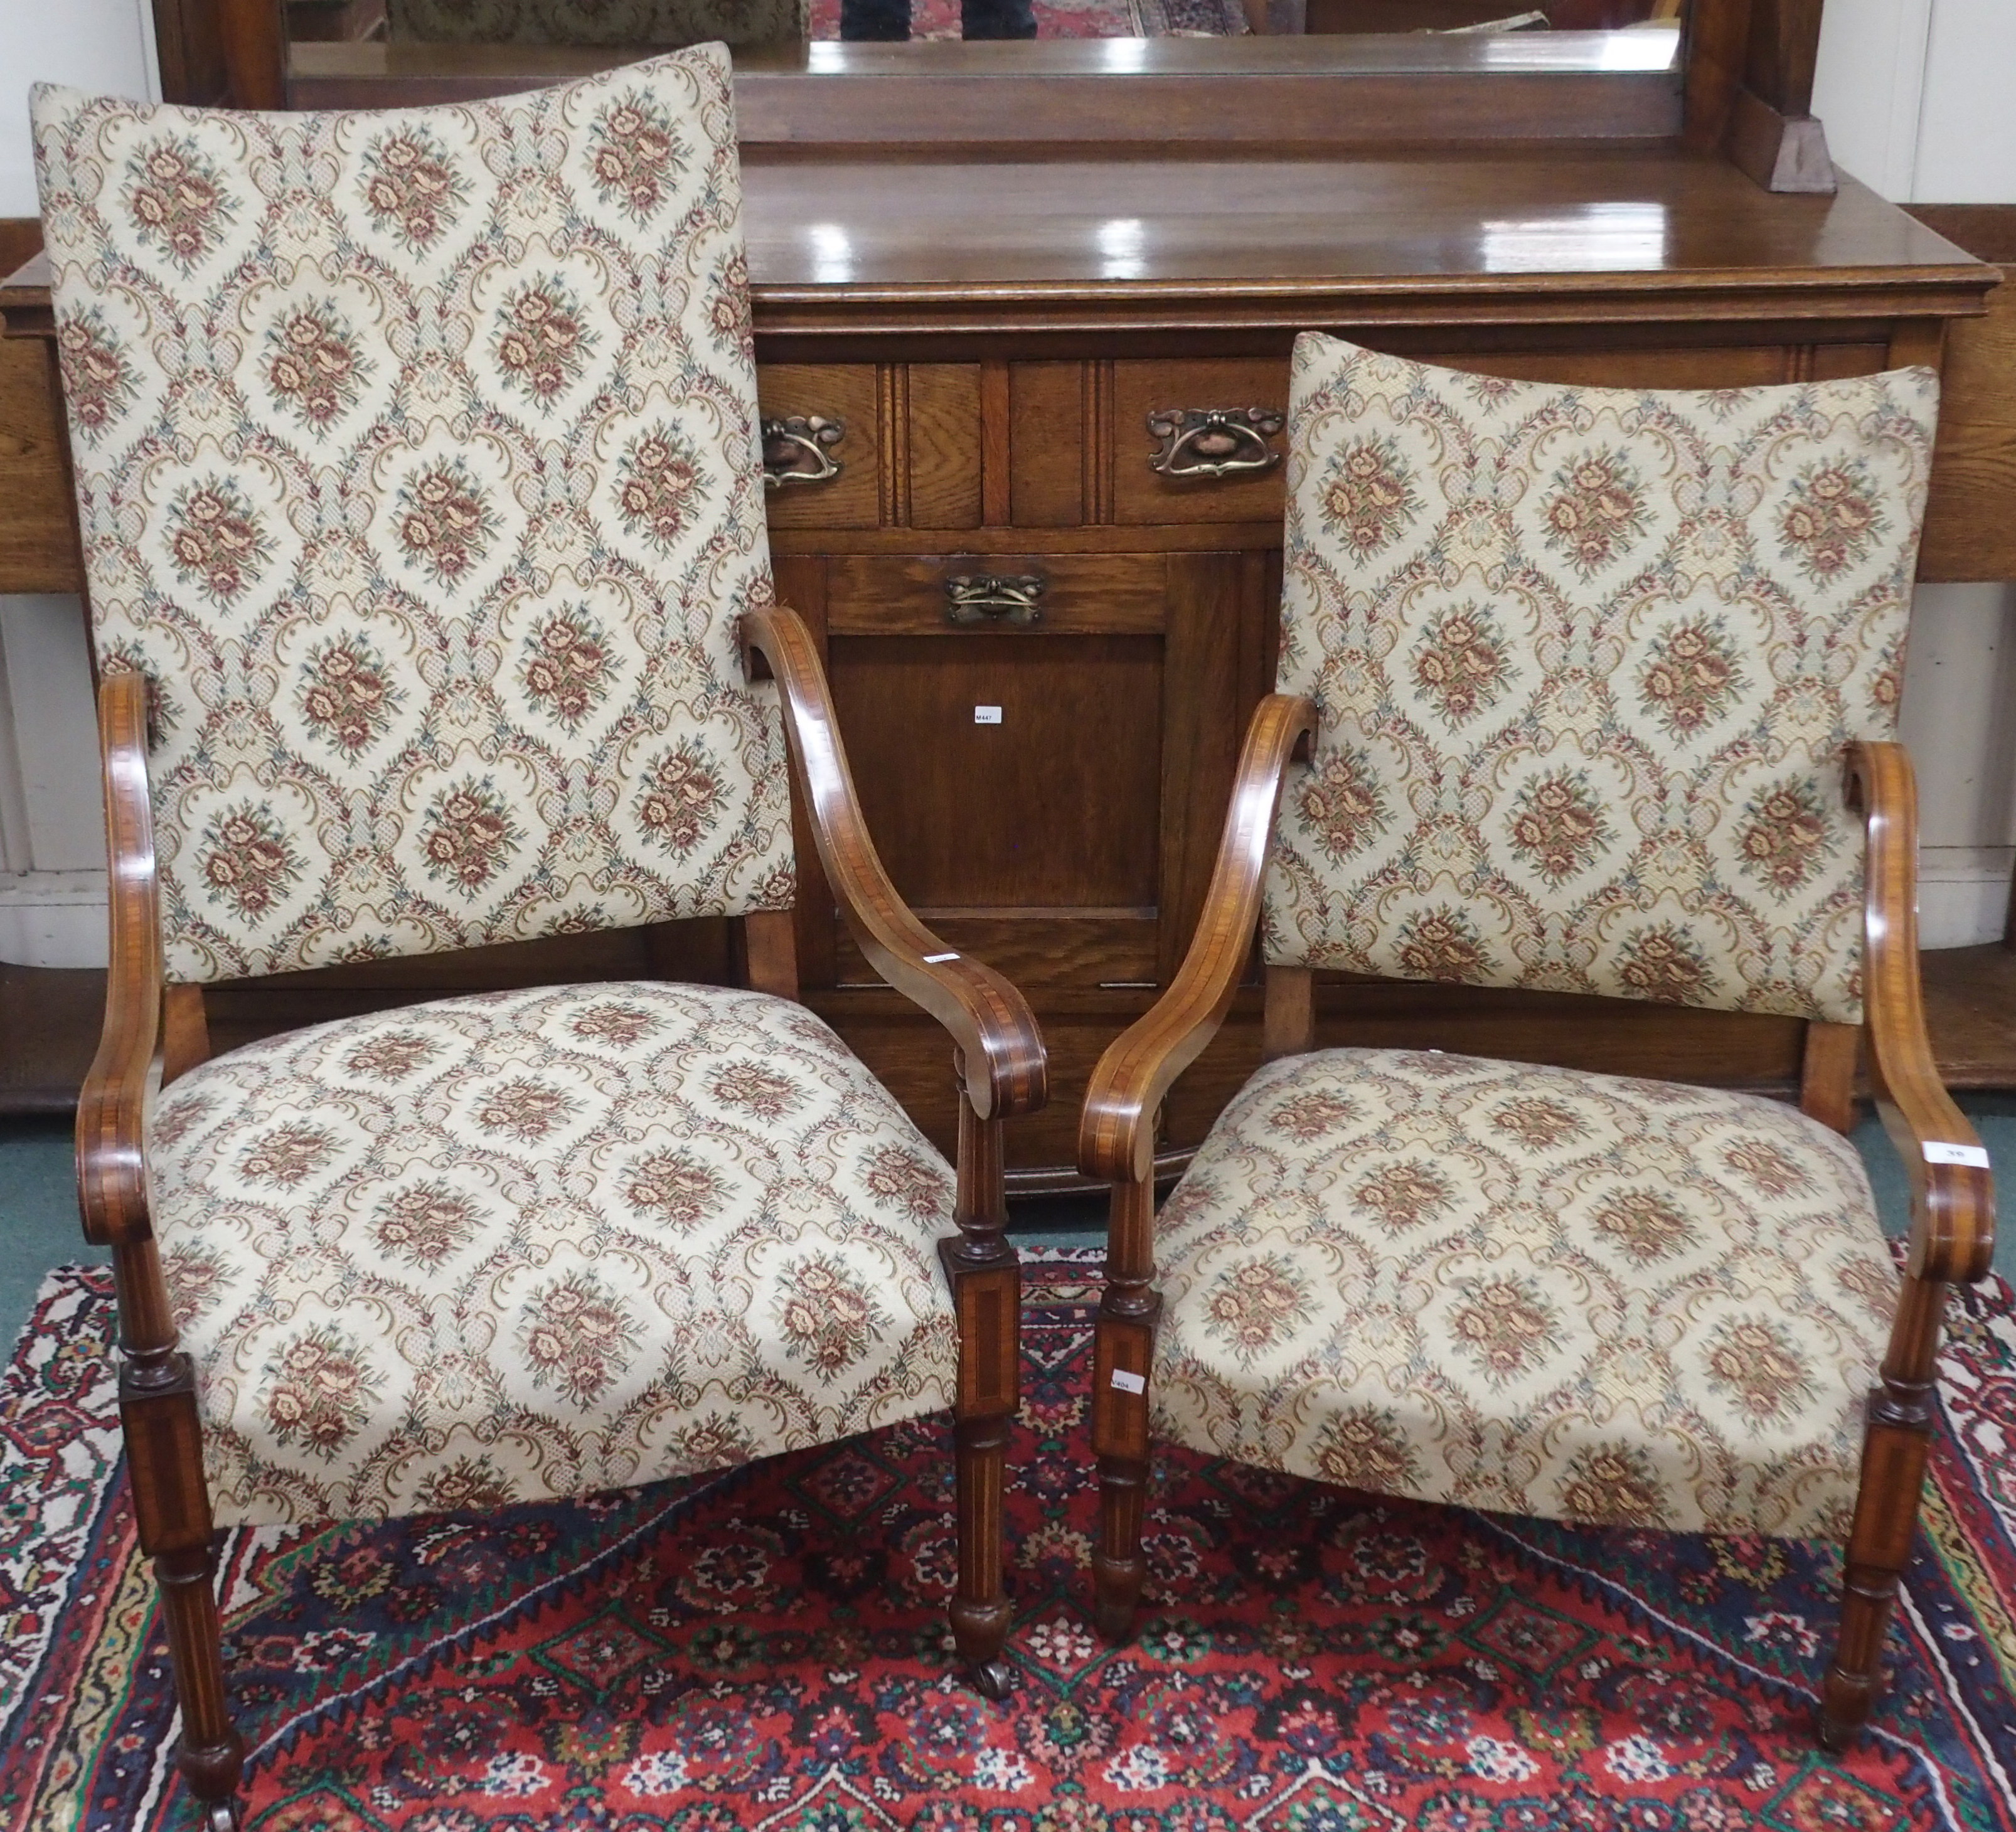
<point x="1595" y="692"/>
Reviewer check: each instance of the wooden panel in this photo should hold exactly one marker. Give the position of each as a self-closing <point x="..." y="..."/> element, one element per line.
<point x="1832" y="363"/>
<point x="802" y="581"/>
<point x="1048" y="443"/>
<point x="1971" y="515"/>
<point x="1213" y="679"/>
<point x="944" y="444"/>
<point x="37" y="537"/>
<point x="1139" y="388"/>
<point x="21" y="237"/>
<point x="1052" y="805"/>
<point x="1084" y="594"/>
<point x="1045" y="951"/>
<point x="856" y="498"/>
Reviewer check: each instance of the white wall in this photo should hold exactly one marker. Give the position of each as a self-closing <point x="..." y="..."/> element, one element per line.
<point x="1918" y="102"/>
<point x="51" y="845"/>
<point x="105" y="44"/>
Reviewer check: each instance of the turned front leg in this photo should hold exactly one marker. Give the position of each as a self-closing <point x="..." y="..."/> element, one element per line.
<point x="157" y="1412"/>
<point x="986" y="1281"/>
<point x="1122" y="1359"/>
<point x="1896" y="1447"/>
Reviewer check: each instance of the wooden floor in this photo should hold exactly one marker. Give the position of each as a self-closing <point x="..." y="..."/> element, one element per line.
<point x="49" y="1020"/>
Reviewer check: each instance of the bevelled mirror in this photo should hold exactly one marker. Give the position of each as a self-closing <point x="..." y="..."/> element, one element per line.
<point x="646" y="24"/>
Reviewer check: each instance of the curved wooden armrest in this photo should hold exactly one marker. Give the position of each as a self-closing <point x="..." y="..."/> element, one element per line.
<point x="1952" y="1193"/>
<point x="1116" y="1141"/>
<point x="1001" y="1051"/>
<point x="111" y="1110"/>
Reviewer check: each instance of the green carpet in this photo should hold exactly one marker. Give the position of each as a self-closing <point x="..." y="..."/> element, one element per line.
<point x="39" y="1226"/>
<point x="38" y="1201"/>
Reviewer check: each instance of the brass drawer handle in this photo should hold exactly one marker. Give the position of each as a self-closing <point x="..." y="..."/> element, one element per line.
<point x="799" y="450"/>
<point x="1214" y="441"/>
<point x="996" y="598"/>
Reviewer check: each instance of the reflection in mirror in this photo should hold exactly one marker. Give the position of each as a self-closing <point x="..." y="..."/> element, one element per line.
<point x="643" y="22"/>
<point x="648" y="24"/>
<point x="1484" y="16"/>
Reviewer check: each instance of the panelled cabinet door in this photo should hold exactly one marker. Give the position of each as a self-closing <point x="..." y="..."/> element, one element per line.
<point x="1043" y="743"/>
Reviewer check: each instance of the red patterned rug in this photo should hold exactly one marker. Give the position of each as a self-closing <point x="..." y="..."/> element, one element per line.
<point x="766" y="1650"/>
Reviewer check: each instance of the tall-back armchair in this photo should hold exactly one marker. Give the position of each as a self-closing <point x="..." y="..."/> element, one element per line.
<point x="417" y="463"/>
<point x="1591" y="691"/>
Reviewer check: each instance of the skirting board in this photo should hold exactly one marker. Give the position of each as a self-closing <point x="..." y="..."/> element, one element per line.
<point x="52" y="918"/>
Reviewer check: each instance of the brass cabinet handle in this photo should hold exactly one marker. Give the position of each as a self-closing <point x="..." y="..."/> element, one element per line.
<point x="1214" y="441"/>
<point x="799" y="449"/>
<point x="997" y="597"/>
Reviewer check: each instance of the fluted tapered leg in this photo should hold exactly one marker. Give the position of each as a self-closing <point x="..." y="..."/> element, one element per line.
<point x="986" y="1280"/>
<point x="164" y="1454"/>
<point x="1122" y="1357"/>
<point x="1894" y="1453"/>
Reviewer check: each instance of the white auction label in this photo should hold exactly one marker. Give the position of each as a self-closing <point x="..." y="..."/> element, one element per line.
<point x="986" y="715"/>
<point x="1128" y="1382"/>
<point x="932" y="960"/>
<point x="1973" y="1157"/>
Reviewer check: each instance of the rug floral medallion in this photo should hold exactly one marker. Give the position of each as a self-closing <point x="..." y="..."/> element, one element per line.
<point x="766" y="1649"/>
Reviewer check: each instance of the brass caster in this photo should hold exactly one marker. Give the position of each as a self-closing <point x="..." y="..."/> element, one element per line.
<point x="220" y="1815"/>
<point x="993" y="1679"/>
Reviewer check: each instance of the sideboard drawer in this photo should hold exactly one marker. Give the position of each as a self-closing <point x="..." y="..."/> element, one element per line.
<point x="950" y="594"/>
<point x="1213" y="457"/>
<point x="791" y="397"/>
<point x="909" y="455"/>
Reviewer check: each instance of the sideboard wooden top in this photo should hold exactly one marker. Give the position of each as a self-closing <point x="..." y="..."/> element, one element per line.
<point x="1564" y="230"/>
<point x="895" y="247"/>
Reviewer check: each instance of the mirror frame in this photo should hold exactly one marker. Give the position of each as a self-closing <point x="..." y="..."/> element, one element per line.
<point x="1746" y="82"/>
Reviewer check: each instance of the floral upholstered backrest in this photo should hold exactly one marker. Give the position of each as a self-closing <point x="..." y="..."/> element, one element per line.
<point x="1588" y="662"/>
<point x="600" y="21"/>
<point x="417" y="460"/>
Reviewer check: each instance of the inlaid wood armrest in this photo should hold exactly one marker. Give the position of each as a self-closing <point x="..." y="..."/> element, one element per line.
<point x="1000" y="1049"/>
<point x="1116" y="1141"/>
<point x="1952" y="1193"/>
<point x="111" y="1111"/>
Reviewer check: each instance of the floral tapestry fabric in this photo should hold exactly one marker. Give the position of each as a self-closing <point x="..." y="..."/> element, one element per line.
<point x="600" y="21"/>
<point x="527" y="1244"/>
<point x="1532" y="1290"/>
<point x="417" y="464"/>
<point x="1588" y="663"/>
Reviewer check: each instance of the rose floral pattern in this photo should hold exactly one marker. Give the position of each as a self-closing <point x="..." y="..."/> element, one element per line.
<point x="98" y="378"/>
<point x="435" y="558"/>
<point x="602" y="1234"/>
<point x="412" y="188"/>
<point x="312" y="365"/>
<point x="541" y="345"/>
<point x="176" y="200"/>
<point x="1381" y="1262"/>
<point x="1588" y="662"/>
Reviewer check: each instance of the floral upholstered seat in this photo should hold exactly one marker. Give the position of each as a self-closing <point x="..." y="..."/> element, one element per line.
<point x="528" y="1244"/>
<point x="1555" y="1293"/>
